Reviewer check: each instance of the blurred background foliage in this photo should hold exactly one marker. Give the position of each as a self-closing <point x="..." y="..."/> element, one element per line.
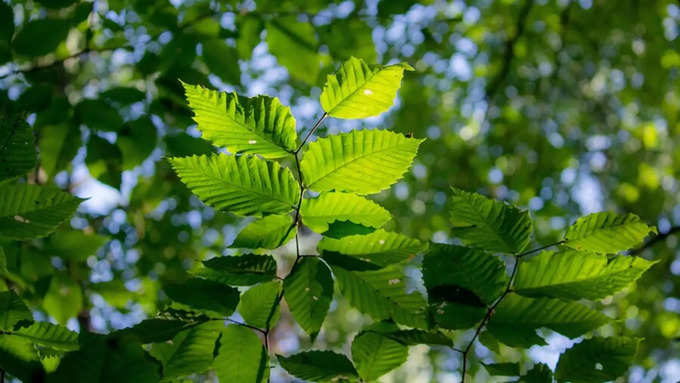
<point x="564" y="107"/>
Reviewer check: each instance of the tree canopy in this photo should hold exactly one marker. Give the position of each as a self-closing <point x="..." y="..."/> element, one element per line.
<point x="379" y="190"/>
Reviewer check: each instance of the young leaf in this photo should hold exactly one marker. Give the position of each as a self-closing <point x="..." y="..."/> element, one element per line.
<point x="358" y="90"/>
<point x="32" y="211"/>
<point x="487" y="224"/>
<point x="269" y="232"/>
<point x="380" y="247"/>
<point x="319" y="213"/>
<point x="259" y="305"/>
<point x="239" y="184"/>
<point x="516" y="319"/>
<point x="375" y="355"/>
<point x="382" y="295"/>
<point x="190" y="351"/>
<point x="17" y="147"/>
<point x="597" y="359"/>
<point x="241" y="357"/>
<point x="204" y="295"/>
<point x="259" y="125"/>
<point x="576" y="275"/>
<point x="448" y="270"/>
<point x="607" y="233"/>
<point x="12" y="310"/>
<point x="361" y="161"/>
<point x="244" y="270"/>
<point x="319" y="366"/>
<point x="308" y="290"/>
<point x="45" y="334"/>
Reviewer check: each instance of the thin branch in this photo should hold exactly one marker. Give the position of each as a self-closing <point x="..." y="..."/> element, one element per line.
<point x="314" y="128"/>
<point x="488" y="315"/>
<point x="541" y="248"/>
<point x="244" y="325"/>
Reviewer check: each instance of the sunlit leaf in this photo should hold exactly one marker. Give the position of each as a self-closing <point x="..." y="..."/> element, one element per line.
<point x="487" y="224"/>
<point x="358" y="90"/>
<point x="576" y="275"/>
<point x="375" y="355"/>
<point x="607" y="233"/>
<point x="259" y="125"/>
<point x="361" y="161"/>
<point x="380" y="247"/>
<point x="242" y="185"/>
<point x="318" y="213"/>
<point x="269" y="232"/>
<point x="241" y="357"/>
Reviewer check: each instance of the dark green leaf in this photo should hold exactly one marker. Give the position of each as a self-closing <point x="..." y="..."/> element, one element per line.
<point x="308" y="291"/>
<point x="40" y="37"/>
<point x="241" y="357"/>
<point x="597" y="360"/>
<point x="244" y="270"/>
<point x="318" y="366"/>
<point x="259" y="305"/>
<point x="204" y="295"/>
<point x="375" y="355"/>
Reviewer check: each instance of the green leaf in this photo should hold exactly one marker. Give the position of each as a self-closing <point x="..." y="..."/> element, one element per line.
<point x="489" y="225"/>
<point x="451" y="273"/>
<point x="319" y="213"/>
<point x="380" y="247"/>
<point x="204" y="295"/>
<point x="540" y="373"/>
<point x="259" y="305"/>
<point x="244" y="270"/>
<point x="12" y="310"/>
<point x="319" y="366"/>
<point x="454" y="315"/>
<point x="597" y="360"/>
<point x="341" y="229"/>
<point x="516" y="319"/>
<point x="241" y="358"/>
<point x="190" y="352"/>
<point x="349" y="37"/>
<point x="375" y="355"/>
<point x="157" y="329"/>
<point x="382" y="295"/>
<point x="123" y="96"/>
<point x="48" y="335"/>
<point x="107" y="359"/>
<point x="361" y="161"/>
<point x="40" y="37"/>
<point x="413" y="337"/>
<point x="222" y="60"/>
<point x="239" y="184"/>
<point x="308" y="291"/>
<point x="64" y="299"/>
<point x="98" y="115"/>
<point x="503" y="369"/>
<point x="19" y="358"/>
<point x="295" y="46"/>
<point x="260" y="125"/>
<point x="358" y="90"/>
<point x="32" y="211"/>
<point x="576" y="275"/>
<point x="607" y="233"/>
<point x="75" y="245"/>
<point x="269" y="232"/>
<point x="17" y="147"/>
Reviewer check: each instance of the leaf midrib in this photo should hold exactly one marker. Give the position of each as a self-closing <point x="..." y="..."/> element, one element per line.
<point x="362" y="156"/>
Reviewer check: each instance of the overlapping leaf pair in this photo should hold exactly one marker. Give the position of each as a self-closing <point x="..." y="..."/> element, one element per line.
<point x="469" y="286"/>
